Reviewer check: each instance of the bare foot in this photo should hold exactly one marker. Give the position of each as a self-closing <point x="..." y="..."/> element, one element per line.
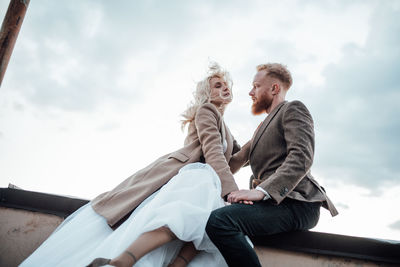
<point x="126" y="259"/>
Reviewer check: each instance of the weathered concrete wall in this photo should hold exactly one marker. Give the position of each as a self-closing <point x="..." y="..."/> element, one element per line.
<point x="21" y="232"/>
<point x="271" y="257"/>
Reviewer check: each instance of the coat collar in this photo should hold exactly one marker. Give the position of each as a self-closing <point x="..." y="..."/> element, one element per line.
<point x="264" y="125"/>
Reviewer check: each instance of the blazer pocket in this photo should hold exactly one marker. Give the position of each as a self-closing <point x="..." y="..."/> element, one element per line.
<point x="179" y="156"/>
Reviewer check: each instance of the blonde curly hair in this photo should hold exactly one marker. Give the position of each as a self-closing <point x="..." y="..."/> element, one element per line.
<point x="203" y="91"/>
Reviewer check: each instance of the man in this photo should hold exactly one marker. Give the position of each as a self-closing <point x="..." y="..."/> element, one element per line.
<point x="283" y="195"/>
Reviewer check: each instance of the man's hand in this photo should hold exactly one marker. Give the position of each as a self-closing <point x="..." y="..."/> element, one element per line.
<point x="245" y="196"/>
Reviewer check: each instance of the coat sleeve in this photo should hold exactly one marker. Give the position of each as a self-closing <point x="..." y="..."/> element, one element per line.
<point x="298" y="128"/>
<point x="241" y="158"/>
<point x="207" y="121"/>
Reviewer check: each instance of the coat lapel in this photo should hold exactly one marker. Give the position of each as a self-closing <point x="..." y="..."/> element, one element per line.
<point x="264" y="125"/>
<point x="226" y="134"/>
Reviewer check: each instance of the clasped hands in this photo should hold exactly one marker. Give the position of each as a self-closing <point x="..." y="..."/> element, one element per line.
<point x="245" y="196"/>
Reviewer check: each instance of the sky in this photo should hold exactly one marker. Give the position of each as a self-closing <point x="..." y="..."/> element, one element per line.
<point x="94" y="91"/>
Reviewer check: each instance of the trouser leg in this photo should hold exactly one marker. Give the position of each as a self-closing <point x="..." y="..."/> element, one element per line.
<point x="228" y="226"/>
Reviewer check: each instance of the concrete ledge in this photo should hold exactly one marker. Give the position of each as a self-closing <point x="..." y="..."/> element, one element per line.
<point x="317" y="243"/>
<point x="61" y="206"/>
<point x="305" y="248"/>
<point x="284" y="258"/>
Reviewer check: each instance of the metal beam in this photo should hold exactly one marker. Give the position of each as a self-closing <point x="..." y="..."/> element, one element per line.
<point x="9" y="32"/>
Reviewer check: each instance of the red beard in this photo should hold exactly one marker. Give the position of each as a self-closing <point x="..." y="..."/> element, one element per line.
<point x="261" y="104"/>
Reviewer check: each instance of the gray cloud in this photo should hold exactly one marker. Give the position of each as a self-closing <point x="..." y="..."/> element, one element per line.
<point x="108" y="126"/>
<point x="395" y="225"/>
<point x="357" y="111"/>
<point x="73" y="56"/>
<point x="342" y="206"/>
<point x="18" y="106"/>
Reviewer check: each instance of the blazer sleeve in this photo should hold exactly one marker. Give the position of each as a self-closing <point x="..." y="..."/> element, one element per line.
<point x="241" y="158"/>
<point x="298" y="128"/>
<point x="236" y="146"/>
<point x="207" y="121"/>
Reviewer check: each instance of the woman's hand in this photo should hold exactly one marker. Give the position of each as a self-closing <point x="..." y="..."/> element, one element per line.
<point x="245" y="196"/>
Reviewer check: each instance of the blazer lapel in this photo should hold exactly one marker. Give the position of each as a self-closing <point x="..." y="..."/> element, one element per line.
<point x="264" y="125"/>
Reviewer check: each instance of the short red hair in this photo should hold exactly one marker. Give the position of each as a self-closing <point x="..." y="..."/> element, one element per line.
<point x="278" y="71"/>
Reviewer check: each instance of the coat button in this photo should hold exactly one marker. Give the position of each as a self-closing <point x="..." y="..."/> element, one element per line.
<point x="283" y="191"/>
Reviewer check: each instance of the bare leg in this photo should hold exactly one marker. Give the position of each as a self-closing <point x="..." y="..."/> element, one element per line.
<point x="186" y="254"/>
<point x="145" y="243"/>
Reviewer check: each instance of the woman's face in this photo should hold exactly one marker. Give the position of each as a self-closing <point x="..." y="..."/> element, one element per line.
<point x="220" y="92"/>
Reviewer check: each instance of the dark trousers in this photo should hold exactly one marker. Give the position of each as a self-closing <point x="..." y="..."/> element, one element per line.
<point x="227" y="226"/>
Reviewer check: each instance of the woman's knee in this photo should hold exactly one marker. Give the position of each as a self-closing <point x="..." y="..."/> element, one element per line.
<point x="166" y="231"/>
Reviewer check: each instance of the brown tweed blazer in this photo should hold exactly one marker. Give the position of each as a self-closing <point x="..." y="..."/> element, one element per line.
<point x="203" y="143"/>
<point x="281" y="153"/>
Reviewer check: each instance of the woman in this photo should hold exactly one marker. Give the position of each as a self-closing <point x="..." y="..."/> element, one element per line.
<point x="169" y="200"/>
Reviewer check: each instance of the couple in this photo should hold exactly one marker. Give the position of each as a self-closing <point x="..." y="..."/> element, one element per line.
<point x="160" y="215"/>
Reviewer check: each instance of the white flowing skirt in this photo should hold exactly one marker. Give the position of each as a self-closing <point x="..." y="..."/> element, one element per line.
<point x="183" y="205"/>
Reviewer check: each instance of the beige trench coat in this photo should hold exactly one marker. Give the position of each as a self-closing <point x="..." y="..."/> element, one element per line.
<point x="203" y="142"/>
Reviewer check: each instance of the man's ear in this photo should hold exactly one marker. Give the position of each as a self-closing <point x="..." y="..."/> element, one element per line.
<point x="276" y="89"/>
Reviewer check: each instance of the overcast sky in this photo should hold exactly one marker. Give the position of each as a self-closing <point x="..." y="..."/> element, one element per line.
<point x="94" y="91"/>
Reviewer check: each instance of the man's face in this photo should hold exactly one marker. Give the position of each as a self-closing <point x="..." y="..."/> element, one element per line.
<point x="261" y="93"/>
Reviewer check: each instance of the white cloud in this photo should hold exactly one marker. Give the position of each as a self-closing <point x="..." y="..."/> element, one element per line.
<point x="356" y="109"/>
<point x="94" y="89"/>
<point x="366" y="215"/>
